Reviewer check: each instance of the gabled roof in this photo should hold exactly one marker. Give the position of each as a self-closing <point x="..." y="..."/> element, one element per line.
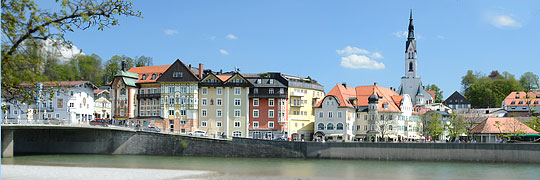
<point x="61" y="83"/>
<point x="517" y="98"/>
<point x="342" y="93"/>
<point x="99" y="91"/>
<point x="496" y="125"/>
<point x="127" y="74"/>
<point x="148" y="72"/>
<point x="432" y="94"/>
<point x="178" y="66"/>
<point x="456" y="98"/>
<point x="224" y="77"/>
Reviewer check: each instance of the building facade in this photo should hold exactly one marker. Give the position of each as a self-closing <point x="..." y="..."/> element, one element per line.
<point x="411" y="83"/>
<point x="268" y="106"/>
<point x="522" y="103"/>
<point x="457" y="101"/>
<point x="102" y="104"/>
<point x="303" y="94"/>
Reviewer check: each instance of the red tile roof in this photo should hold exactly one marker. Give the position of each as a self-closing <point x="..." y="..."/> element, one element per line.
<point x="432" y="94"/>
<point x="97" y="91"/>
<point x="149" y="70"/>
<point x="224" y="77"/>
<point x="362" y="94"/>
<point x="518" y="98"/>
<point x="496" y="125"/>
<point x="58" y="83"/>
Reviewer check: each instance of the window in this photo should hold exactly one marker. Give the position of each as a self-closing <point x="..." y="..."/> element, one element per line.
<point x="339" y="126"/>
<point x="204" y="91"/>
<point x="71" y="104"/>
<point x="255" y="113"/>
<point x="203" y="102"/>
<point x="182" y="121"/>
<point x="330" y="126"/>
<point x="339" y="114"/>
<point x="203" y="113"/>
<point x="256" y="91"/>
<point x="218" y="101"/>
<point x="155" y="91"/>
<point x="171" y="112"/>
<point x="57" y="116"/>
<point x="320" y="126"/>
<point x="271" y="113"/>
<point x="237" y="134"/>
<point x="365" y="127"/>
<point x="390" y="127"/>
<point x="178" y="74"/>
<point x="218" y="124"/>
<point x="236" y="102"/>
<point x="143" y="77"/>
<point x="237" y="91"/>
<point x="382" y="117"/>
<point x="155" y="102"/>
<point x="218" y="113"/>
<point x="171" y="101"/>
<point x="153" y="76"/>
<point x="255" y="124"/>
<point x="203" y="123"/>
<point x="281" y="91"/>
<point x="183" y="90"/>
<point x="271" y="91"/>
<point x="236" y="124"/>
<point x="171" y="89"/>
<point x="182" y="112"/>
<point x="271" y="124"/>
<point x="255" y="102"/>
<point x="330" y="114"/>
<point x="237" y="113"/>
<point x="219" y="91"/>
<point x="259" y="81"/>
<point x="71" y="93"/>
<point x="321" y="114"/>
<point x="270" y="102"/>
<point x="122" y="91"/>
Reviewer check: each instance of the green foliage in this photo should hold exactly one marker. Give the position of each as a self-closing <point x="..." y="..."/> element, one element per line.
<point x="433" y="125"/>
<point x="25" y="27"/>
<point x="529" y="81"/>
<point x="457" y="125"/>
<point x="143" y="61"/>
<point x="113" y="66"/>
<point x="438" y="92"/>
<point x="489" y="91"/>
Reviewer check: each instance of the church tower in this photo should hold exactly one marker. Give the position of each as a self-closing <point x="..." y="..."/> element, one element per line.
<point x="410" y="52"/>
<point x="411" y="83"/>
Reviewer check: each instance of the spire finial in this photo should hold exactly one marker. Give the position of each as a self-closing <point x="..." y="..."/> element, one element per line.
<point x="411" y="14"/>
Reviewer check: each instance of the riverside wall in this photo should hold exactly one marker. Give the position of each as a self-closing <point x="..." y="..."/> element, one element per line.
<point x="67" y="140"/>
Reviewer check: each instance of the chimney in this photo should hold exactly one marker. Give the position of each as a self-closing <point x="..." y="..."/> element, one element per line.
<point x="344" y="84"/>
<point x="200" y="70"/>
<point x="220" y="71"/>
<point x="123" y="65"/>
<point x="375" y="83"/>
<point x="189" y="66"/>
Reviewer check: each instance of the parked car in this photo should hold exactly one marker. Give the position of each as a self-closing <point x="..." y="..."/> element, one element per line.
<point x="99" y="122"/>
<point x="197" y="133"/>
<point x="152" y="129"/>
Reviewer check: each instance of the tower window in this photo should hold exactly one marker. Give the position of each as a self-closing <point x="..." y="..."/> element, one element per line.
<point x="410" y="66"/>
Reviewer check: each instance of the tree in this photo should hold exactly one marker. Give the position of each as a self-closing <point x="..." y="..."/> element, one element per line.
<point x="529" y="81"/>
<point x="90" y="68"/>
<point x="471" y="119"/>
<point x="486" y="91"/>
<point x="143" y="61"/>
<point x="438" y="93"/>
<point x="469" y="79"/>
<point x="113" y="66"/>
<point x="25" y="26"/>
<point x="385" y="126"/>
<point x="433" y="125"/>
<point x="495" y="75"/>
<point x="457" y="125"/>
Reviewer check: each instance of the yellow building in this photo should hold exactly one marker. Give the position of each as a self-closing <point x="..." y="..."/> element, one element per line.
<point x="303" y="94"/>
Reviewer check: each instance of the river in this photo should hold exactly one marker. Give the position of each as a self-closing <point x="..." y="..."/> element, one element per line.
<point x="257" y="168"/>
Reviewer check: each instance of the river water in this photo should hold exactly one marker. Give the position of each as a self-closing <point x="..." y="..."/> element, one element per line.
<point x="269" y="168"/>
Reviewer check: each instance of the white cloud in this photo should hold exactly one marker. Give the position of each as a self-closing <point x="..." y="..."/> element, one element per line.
<point x="356" y="58"/>
<point x="504" y="21"/>
<point x="224" y="52"/>
<point x="400" y="34"/>
<point x="231" y="36"/>
<point x="351" y="50"/>
<point x="170" y="32"/>
<point x="63" y="53"/>
<point x="376" y="55"/>
<point x="360" y="62"/>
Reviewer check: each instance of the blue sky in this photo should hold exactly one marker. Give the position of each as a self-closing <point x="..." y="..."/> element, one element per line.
<point x="304" y="38"/>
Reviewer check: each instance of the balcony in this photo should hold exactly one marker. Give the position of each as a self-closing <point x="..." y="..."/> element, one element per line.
<point x="296" y="105"/>
<point x="154" y="95"/>
<point x="297" y="94"/>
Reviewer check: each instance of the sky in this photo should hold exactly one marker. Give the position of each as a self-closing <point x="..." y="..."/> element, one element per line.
<point x="356" y="42"/>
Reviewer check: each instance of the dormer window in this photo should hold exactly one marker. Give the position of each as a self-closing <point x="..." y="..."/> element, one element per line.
<point x="153" y="76"/>
<point x="520" y="102"/>
<point x="535" y="102"/>
<point x="143" y="77"/>
<point x="259" y="81"/>
<point x="271" y="81"/>
<point x="513" y="102"/>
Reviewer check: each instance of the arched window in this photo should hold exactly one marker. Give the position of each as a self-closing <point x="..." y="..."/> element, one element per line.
<point x="339" y="126"/>
<point x="237" y="134"/>
<point x="143" y="77"/>
<point x="410" y="66"/>
<point x="320" y="126"/>
<point x="330" y="126"/>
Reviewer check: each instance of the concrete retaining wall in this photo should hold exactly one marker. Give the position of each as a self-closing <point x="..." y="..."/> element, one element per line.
<point x="108" y="141"/>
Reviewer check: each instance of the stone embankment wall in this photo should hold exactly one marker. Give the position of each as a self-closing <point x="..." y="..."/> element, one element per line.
<point x="108" y="141"/>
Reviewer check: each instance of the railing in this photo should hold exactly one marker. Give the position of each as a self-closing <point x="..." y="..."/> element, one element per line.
<point x="153" y="95"/>
<point x="298" y="94"/>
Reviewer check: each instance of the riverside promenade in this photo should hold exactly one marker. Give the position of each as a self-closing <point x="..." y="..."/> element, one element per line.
<point x="39" y="139"/>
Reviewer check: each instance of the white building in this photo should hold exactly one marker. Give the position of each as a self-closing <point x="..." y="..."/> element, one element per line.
<point x="68" y="101"/>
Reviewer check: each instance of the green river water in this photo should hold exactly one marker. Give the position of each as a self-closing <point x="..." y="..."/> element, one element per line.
<point x="269" y="168"/>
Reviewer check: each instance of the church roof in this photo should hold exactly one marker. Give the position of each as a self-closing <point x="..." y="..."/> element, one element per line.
<point x="410" y="37"/>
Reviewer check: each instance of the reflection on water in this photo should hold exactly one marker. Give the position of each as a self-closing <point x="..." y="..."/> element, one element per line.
<point x="294" y="168"/>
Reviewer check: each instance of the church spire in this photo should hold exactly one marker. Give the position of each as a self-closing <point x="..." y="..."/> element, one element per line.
<point x="411" y="28"/>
